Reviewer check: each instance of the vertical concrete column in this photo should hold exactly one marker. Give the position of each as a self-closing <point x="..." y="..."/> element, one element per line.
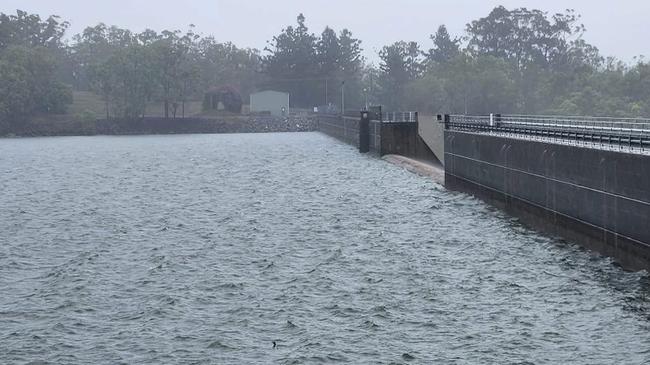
<point x="364" y="132"/>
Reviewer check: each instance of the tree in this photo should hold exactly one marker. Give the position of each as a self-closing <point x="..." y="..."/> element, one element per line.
<point x="444" y="47"/>
<point x="328" y="53"/>
<point x="30" y="30"/>
<point x="223" y="64"/>
<point x="524" y="36"/>
<point x="400" y="64"/>
<point x="27" y="85"/>
<point x="350" y="60"/>
<point x="132" y="80"/>
<point x="176" y="73"/>
<point x="292" y="62"/>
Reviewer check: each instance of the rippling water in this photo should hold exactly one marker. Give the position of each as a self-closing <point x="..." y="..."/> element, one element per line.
<point x="205" y="249"/>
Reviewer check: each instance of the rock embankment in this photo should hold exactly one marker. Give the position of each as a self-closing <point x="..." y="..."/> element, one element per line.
<point x="149" y="125"/>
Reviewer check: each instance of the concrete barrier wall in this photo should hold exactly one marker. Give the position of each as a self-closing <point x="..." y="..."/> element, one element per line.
<point x="401" y="138"/>
<point x="346" y="129"/>
<point x="433" y="134"/>
<point x="375" y="136"/>
<point x="394" y="138"/>
<point x="598" y="198"/>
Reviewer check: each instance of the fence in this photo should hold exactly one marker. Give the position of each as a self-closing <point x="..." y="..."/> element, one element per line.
<point x="399" y="117"/>
<point x="633" y="134"/>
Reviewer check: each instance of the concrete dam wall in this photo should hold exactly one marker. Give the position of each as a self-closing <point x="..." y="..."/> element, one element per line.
<point x="433" y="134"/>
<point x="346" y="129"/>
<point x="402" y="138"/>
<point x="598" y="198"/>
<point x="387" y="138"/>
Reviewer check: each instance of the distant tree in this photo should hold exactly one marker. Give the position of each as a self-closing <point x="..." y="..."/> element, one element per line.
<point x="173" y="54"/>
<point x="400" y="64"/>
<point x="525" y="36"/>
<point x="328" y="53"/>
<point x="351" y="59"/>
<point x="352" y="66"/>
<point x="291" y="63"/>
<point x="444" y="47"/>
<point x="221" y="64"/>
<point x="28" y="86"/>
<point x="30" y="30"/>
<point x="132" y="80"/>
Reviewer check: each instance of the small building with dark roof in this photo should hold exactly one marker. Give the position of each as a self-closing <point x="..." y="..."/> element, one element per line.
<point x="224" y="98"/>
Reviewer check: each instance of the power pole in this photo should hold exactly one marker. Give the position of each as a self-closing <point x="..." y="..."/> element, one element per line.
<point x="343" y="97"/>
<point x="327" y="100"/>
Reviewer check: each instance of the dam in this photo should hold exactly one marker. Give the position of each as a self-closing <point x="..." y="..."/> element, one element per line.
<point x="584" y="179"/>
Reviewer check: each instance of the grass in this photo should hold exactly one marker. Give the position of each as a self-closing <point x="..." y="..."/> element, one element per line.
<point x="89" y="104"/>
<point x="86" y="103"/>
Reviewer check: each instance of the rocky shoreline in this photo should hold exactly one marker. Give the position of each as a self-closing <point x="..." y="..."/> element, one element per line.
<point x="151" y="125"/>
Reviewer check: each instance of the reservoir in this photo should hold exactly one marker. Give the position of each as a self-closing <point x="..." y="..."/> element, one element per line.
<point x="207" y="249"/>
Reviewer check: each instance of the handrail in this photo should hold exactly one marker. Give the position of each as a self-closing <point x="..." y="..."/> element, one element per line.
<point x="399" y="117"/>
<point x="632" y="133"/>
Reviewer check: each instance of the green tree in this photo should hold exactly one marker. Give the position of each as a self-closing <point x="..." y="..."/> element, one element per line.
<point x="175" y="68"/>
<point x="28" y="86"/>
<point x="224" y="64"/>
<point x="328" y="53"/>
<point x="30" y="30"/>
<point x="444" y="48"/>
<point x="291" y="63"/>
<point x="400" y="64"/>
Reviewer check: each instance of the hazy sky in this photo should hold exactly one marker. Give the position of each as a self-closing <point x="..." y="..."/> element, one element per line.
<point x="619" y="28"/>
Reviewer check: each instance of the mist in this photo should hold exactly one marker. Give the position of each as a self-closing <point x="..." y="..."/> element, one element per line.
<point x="131" y="60"/>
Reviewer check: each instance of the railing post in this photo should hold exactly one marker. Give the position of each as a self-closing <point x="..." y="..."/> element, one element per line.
<point x="364" y="132"/>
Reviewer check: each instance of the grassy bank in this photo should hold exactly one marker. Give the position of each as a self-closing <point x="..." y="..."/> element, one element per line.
<point x="87" y="116"/>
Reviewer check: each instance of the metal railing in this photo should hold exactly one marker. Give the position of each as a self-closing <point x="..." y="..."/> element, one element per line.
<point x="399" y="117"/>
<point x="591" y="131"/>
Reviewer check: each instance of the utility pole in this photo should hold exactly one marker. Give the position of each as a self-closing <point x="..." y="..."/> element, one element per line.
<point x="327" y="100"/>
<point x="343" y="97"/>
<point x="365" y="91"/>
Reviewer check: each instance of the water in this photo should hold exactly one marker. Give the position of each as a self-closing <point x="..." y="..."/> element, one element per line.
<point x="205" y="249"/>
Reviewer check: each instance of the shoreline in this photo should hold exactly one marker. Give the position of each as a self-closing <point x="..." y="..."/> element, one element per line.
<point x="163" y="126"/>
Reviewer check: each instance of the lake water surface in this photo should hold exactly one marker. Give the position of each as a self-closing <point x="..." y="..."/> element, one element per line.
<point x="204" y="249"/>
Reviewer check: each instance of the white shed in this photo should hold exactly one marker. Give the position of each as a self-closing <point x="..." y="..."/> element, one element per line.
<point x="270" y="101"/>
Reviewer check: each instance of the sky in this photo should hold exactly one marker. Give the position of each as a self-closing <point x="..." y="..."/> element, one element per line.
<point x="618" y="28"/>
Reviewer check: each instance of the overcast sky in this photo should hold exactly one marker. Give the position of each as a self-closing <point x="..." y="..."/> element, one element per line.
<point x="618" y="28"/>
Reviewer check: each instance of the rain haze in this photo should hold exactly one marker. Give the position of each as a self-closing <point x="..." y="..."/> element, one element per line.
<point x="618" y="29"/>
<point x="317" y="182"/>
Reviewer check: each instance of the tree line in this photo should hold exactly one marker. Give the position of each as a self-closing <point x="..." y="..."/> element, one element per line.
<point x="511" y="61"/>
